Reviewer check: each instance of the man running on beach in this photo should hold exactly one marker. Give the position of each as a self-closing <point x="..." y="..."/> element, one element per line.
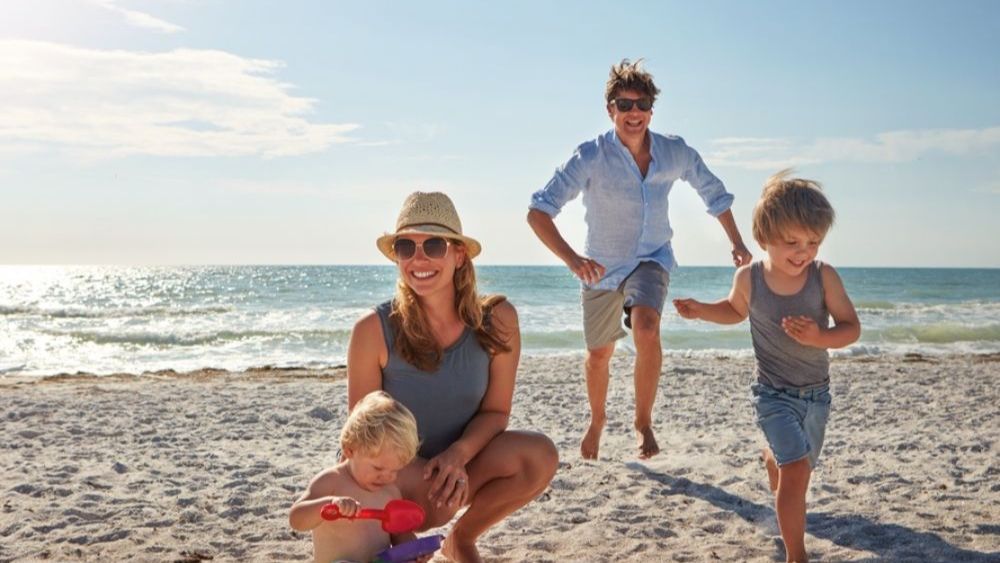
<point x="625" y="176"/>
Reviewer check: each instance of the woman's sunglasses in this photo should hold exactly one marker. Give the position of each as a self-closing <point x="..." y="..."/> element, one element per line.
<point x="434" y="247"/>
<point x="625" y="104"/>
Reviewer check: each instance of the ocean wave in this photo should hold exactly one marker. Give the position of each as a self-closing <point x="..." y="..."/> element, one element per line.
<point x="167" y="340"/>
<point x="875" y="305"/>
<point x="973" y="308"/>
<point x="937" y="333"/>
<point x="116" y="313"/>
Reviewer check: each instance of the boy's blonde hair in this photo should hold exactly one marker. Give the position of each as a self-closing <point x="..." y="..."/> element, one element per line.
<point x="378" y="422"/>
<point x="788" y="203"/>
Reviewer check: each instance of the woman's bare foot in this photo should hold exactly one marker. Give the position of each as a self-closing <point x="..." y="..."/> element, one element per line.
<point x="457" y="550"/>
<point x="647" y="443"/>
<point x="592" y="440"/>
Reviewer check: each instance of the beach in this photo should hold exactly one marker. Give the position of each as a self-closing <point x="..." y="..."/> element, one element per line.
<point x="203" y="465"/>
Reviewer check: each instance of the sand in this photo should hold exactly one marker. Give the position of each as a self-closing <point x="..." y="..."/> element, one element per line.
<point x="189" y="467"/>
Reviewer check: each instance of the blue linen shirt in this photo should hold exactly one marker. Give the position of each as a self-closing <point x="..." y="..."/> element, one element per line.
<point x="626" y="214"/>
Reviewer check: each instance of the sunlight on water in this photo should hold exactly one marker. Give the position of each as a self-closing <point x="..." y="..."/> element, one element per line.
<point x="121" y="319"/>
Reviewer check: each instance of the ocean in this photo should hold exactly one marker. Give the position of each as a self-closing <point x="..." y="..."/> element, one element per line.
<point x="104" y="319"/>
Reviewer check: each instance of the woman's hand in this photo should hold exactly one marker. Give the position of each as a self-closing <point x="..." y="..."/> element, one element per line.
<point x="450" y="480"/>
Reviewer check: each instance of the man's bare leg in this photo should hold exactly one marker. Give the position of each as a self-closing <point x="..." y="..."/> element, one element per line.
<point x="648" y="363"/>
<point x="598" y="374"/>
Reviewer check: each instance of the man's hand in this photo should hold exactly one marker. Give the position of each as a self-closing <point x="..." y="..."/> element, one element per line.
<point x="588" y="270"/>
<point x="741" y="256"/>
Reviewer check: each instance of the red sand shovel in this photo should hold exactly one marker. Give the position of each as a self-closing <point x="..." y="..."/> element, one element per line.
<point x="398" y="517"/>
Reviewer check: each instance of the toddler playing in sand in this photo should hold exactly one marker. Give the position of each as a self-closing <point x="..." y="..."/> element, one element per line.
<point x="789" y="297"/>
<point x="378" y="439"/>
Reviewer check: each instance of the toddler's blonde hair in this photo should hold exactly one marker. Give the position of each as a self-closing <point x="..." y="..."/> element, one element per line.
<point x="378" y="422"/>
<point x="788" y="203"/>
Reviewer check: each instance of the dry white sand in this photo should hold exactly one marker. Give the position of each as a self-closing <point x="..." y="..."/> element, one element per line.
<point x="169" y="467"/>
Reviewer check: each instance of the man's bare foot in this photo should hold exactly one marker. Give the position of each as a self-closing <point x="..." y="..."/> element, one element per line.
<point x="592" y="440"/>
<point x="457" y="550"/>
<point x="647" y="443"/>
<point x="772" y="469"/>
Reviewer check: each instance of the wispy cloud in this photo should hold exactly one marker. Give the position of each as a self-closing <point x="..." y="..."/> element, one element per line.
<point x="891" y="146"/>
<point x="187" y="102"/>
<point x="276" y="188"/>
<point x="990" y="187"/>
<point x="139" y="19"/>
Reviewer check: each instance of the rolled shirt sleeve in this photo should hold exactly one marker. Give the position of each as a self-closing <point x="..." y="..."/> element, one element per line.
<point x="709" y="187"/>
<point x="567" y="182"/>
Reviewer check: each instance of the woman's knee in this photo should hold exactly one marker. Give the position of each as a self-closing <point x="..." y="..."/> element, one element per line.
<point x="540" y="456"/>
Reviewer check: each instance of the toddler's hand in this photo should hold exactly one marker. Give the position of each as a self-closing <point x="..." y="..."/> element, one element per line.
<point x="346" y="505"/>
<point x="688" y="308"/>
<point x="803" y="330"/>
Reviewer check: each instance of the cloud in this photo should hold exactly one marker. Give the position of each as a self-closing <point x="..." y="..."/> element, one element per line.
<point x="187" y="102"/>
<point x="890" y="147"/>
<point x="139" y="19"/>
<point x="277" y="188"/>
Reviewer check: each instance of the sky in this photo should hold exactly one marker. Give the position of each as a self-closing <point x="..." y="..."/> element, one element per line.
<point x="261" y="132"/>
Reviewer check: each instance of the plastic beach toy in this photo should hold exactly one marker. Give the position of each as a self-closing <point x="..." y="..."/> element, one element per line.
<point x="398" y="517"/>
<point x="410" y="550"/>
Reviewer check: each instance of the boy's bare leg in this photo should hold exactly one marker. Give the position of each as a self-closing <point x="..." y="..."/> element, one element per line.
<point x="648" y="363"/>
<point x="772" y="469"/>
<point x="598" y="374"/>
<point x="790" y="504"/>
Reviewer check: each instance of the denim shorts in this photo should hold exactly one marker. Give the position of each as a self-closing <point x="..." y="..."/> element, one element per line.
<point x="793" y="420"/>
<point x="646" y="285"/>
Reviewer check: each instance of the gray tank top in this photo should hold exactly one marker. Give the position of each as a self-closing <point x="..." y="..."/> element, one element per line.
<point x="443" y="402"/>
<point x="781" y="361"/>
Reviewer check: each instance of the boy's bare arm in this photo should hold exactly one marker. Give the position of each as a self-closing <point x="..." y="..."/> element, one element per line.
<point x="305" y="513"/>
<point x="846" y="327"/>
<point x="731" y="310"/>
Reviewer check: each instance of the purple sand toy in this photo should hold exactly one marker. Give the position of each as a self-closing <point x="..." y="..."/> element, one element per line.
<point x="410" y="550"/>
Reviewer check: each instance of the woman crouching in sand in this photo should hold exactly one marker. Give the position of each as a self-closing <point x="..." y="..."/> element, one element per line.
<point x="451" y="358"/>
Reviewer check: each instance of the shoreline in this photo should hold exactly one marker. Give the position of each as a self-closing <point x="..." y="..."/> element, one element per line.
<point x="182" y="466"/>
<point x="340" y="369"/>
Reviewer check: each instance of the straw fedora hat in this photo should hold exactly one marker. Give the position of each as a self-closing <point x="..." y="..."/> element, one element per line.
<point x="428" y="213"/>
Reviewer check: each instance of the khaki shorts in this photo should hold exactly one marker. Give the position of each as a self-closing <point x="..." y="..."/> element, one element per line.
<point x="602" y="308"/>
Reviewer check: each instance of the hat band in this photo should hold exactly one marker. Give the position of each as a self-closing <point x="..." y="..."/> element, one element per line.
<point x="416" y="225"/>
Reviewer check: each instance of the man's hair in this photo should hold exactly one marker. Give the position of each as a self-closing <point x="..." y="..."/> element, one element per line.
<point x="789" y="203"/>
<point x="627" y="75"/>
<point x="378" y="422"/>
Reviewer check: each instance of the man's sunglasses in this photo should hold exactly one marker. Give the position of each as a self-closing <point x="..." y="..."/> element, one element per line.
<point x="625" y="104"/>
<point x="434" y="247"/>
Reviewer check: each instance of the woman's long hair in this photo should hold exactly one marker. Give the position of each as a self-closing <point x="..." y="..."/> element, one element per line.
<point x="414" y="341"/>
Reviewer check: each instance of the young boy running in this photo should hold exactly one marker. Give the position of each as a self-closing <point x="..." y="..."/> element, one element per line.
<point x="790" y="298"/>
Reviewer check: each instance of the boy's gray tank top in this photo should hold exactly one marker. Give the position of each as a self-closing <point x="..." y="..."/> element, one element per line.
<point x="782" y="362"/>
<point x="443" y="401"/>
